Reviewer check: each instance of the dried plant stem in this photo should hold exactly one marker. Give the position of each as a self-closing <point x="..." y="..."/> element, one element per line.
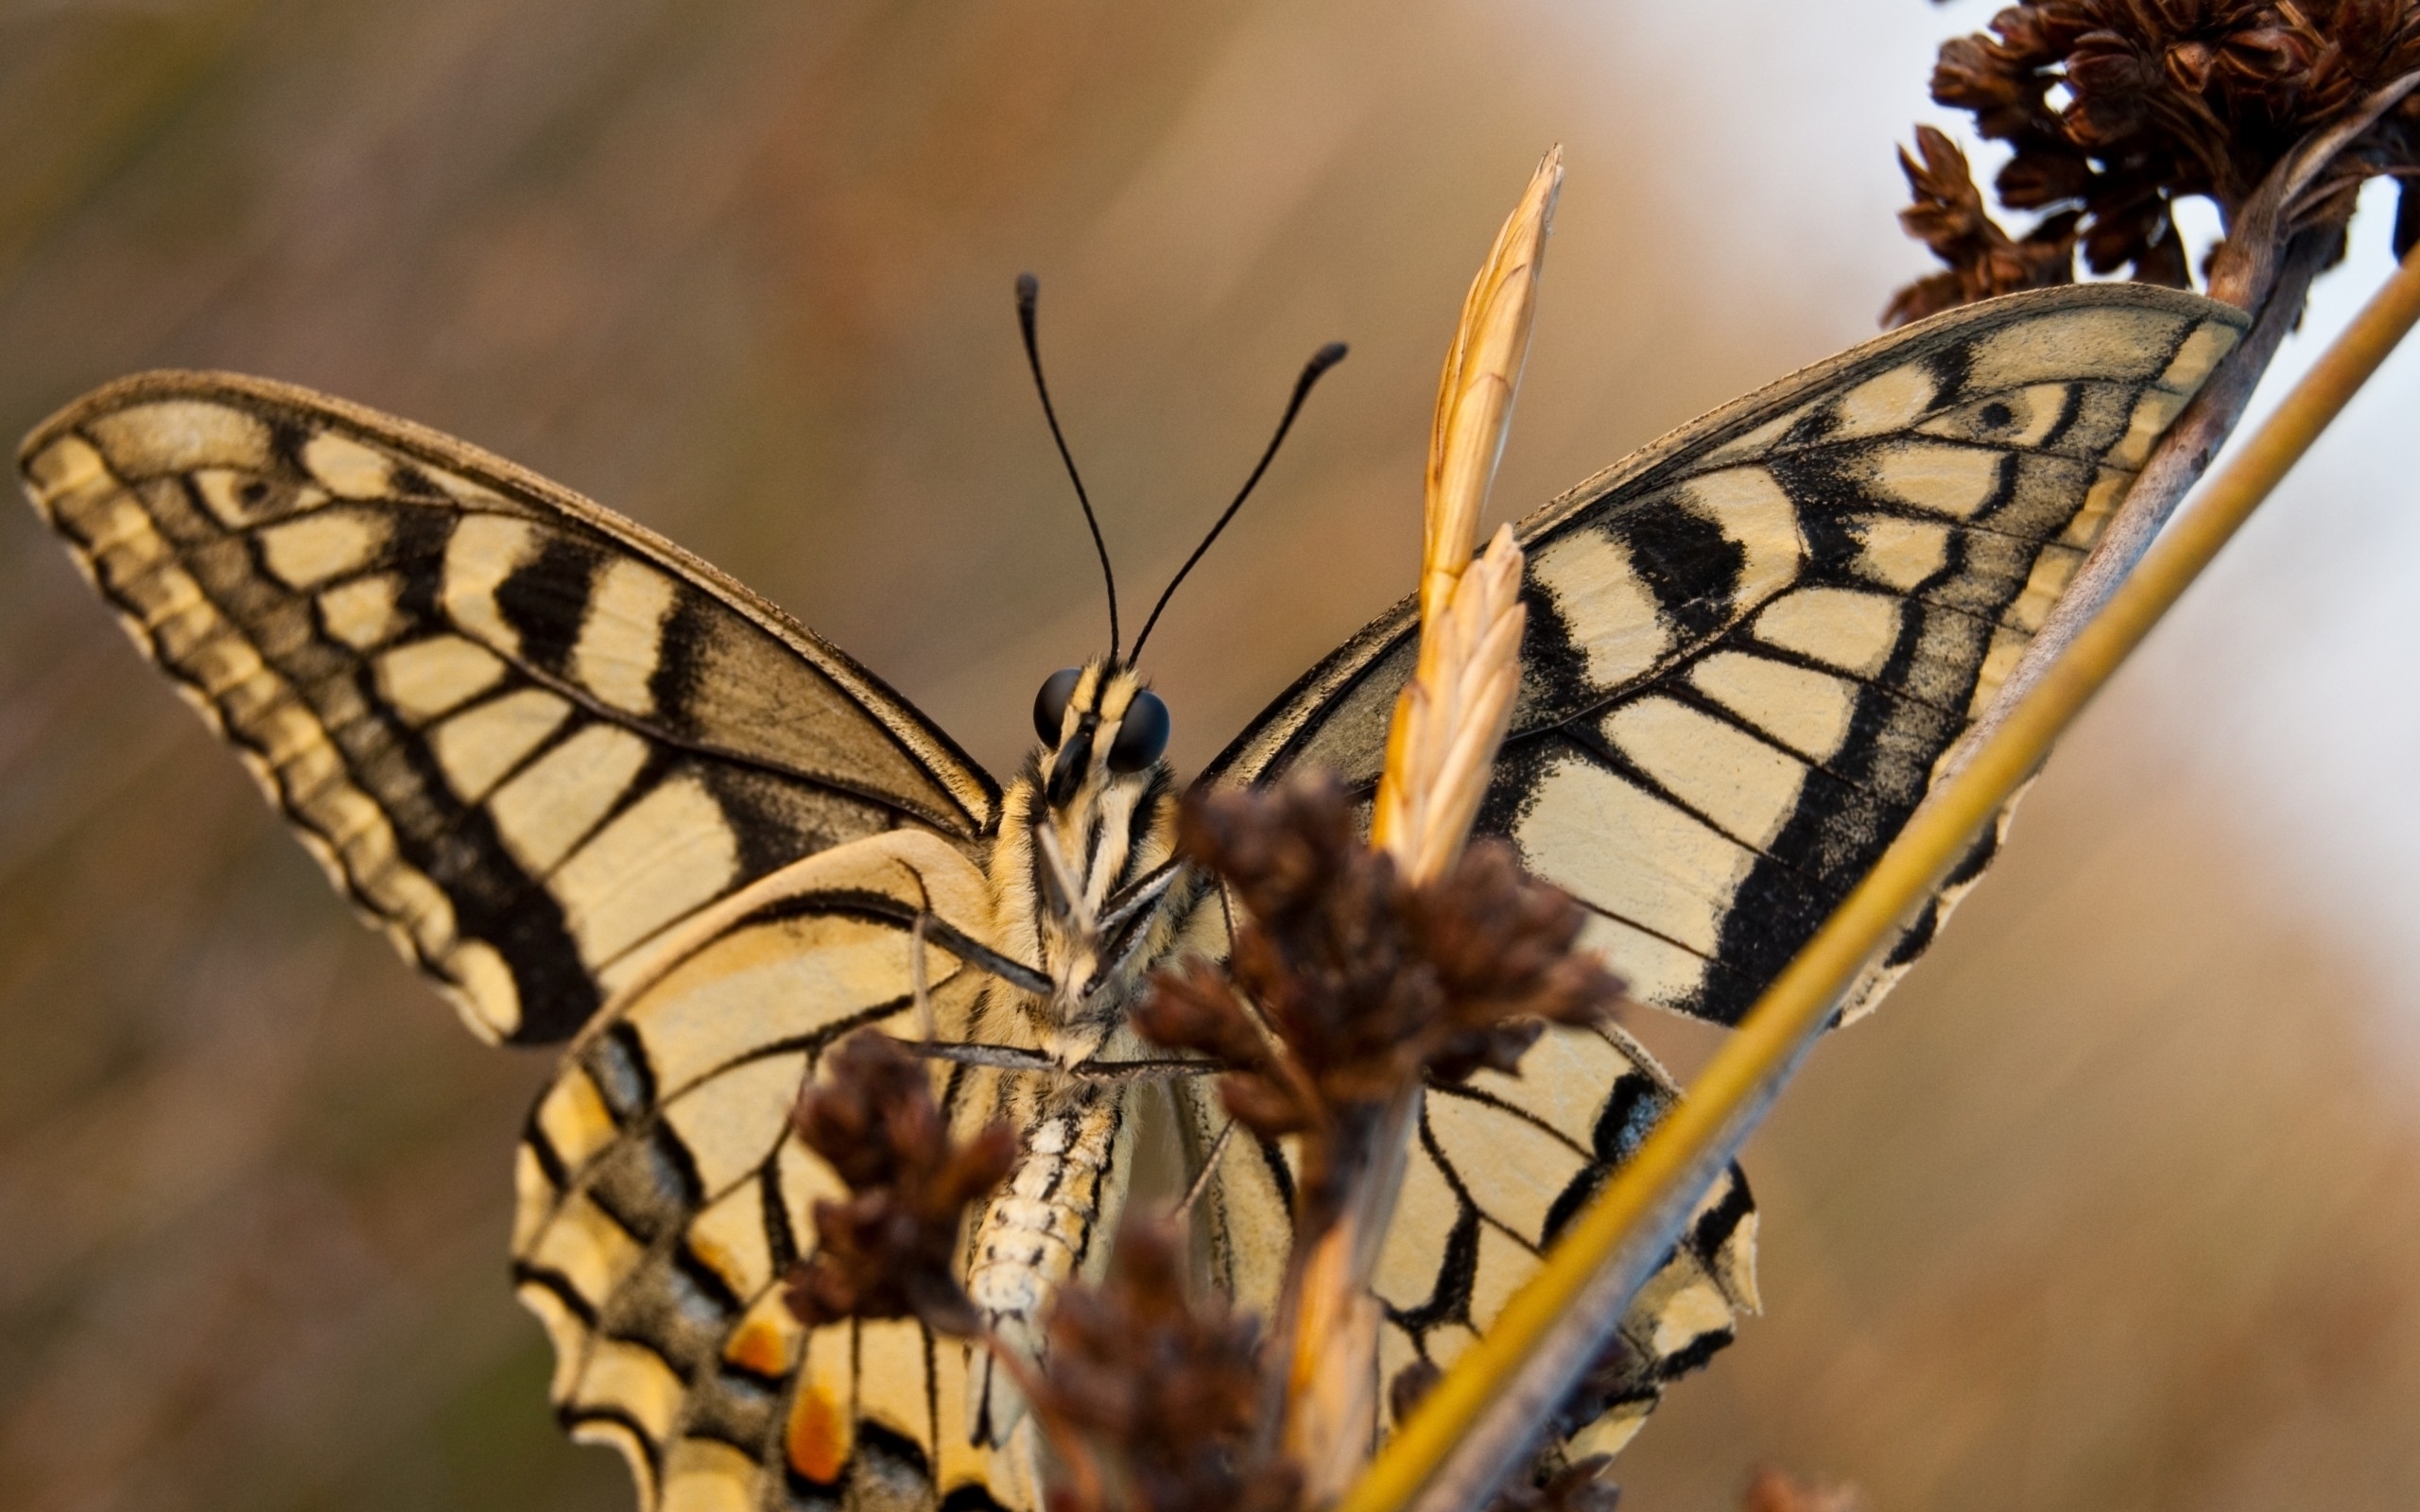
<point x="1440" y="752"/>
<point x="1482" y="1420"/>
<point x="2247" y="264"/>
<point x="1332" y="1377"/>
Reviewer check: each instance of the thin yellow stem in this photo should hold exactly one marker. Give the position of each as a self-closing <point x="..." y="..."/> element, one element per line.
<point x="1738" y="1080"/>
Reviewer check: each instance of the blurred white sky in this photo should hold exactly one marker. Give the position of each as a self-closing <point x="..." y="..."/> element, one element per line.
<point x="2293" y="667"/>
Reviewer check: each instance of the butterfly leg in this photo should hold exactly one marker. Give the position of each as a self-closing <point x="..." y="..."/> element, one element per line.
<point x="965" y="947"/>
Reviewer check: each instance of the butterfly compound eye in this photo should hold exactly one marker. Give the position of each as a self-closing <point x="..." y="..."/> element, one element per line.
<point x="1051" y="704"/>
<point x="1141" y="735"/>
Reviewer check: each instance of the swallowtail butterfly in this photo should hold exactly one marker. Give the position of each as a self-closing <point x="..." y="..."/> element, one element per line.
<point x="601" y="793"/>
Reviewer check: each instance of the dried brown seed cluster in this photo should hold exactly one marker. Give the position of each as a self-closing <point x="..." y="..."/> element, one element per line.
<point x="1950" y="218"/>
<point x="1365" y="981"/>
<point x="2116" y="108"/>
<point x="1157" y="1395"/>
<point x="890" y="1249"/>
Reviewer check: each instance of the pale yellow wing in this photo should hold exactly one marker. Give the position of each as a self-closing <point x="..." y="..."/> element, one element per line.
<point x="523" y="734"/>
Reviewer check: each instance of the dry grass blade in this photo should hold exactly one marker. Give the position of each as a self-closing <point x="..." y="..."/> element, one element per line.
<point x="1477" y="673"/>
<point x="1481" y="1418"/>
<point x="1453" y="709"/>
<point x="1475" y="393"/>
<point x="1441" y="750"/>
<point x="1452" y="717"/>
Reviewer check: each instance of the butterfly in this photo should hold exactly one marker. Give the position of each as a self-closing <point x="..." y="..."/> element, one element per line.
<point x="601" y="795"/>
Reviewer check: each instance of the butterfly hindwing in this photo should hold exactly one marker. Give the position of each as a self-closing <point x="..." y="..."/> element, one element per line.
<point x="1749" y="644"/>
<point x="522" y="733"/>
<point x="662" y="1199"/>
<point x="1498" y="1165"/>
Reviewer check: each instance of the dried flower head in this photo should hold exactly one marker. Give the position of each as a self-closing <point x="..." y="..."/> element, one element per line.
<point x="1363" y="981"/>
<point x="1949" y="216"/>
<point x="1157" y="1393"/>
<point x="2116" y="107"/>
<point x="890" y="1249"/>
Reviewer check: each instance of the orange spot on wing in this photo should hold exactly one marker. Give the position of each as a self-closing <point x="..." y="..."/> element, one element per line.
<point x="758" y="1346"/>
<point x="818" y="1439"/>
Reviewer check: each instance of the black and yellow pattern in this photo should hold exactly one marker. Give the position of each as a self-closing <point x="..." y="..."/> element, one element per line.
<point x="522" y="733"/>
<point x="597" y="791"/>
<point x="662" y="1199"/>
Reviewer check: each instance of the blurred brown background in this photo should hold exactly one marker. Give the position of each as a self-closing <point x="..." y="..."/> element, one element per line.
<point x="2116" y="1205"/>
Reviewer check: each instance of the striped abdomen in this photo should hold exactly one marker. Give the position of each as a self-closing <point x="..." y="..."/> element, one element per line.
<point x="1038" y="1231"/>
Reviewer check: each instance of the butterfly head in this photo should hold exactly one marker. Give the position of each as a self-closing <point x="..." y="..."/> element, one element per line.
<point x="1100" y="728"/>
<point x="1085" y="867"/>
<point x="1087" y="833"/>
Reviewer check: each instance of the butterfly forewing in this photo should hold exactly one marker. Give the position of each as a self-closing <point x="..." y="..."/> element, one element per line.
<point x="522" y="733"/>
<point x="1750" y="645"/>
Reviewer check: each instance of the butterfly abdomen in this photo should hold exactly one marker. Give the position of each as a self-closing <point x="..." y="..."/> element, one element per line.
<point x="1040" y="1230"/>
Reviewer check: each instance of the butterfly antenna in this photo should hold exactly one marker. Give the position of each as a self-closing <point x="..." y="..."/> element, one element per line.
<point x="1030" y="289"/>
<point x="1322" y="360"/>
